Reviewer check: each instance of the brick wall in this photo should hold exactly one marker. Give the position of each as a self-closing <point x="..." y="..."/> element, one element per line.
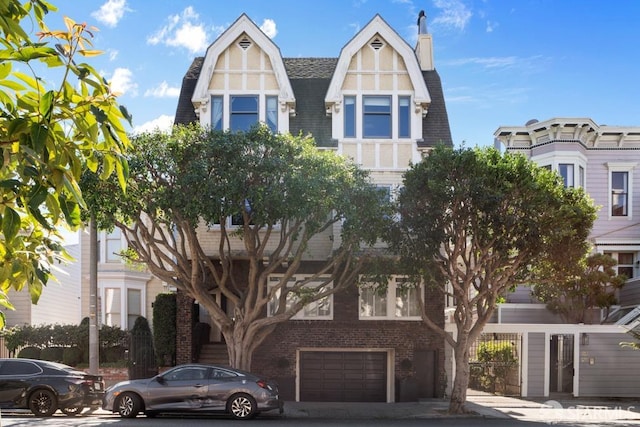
<point x="184" y="328"/>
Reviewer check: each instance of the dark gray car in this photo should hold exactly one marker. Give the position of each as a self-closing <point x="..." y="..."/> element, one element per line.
<point x="195" y="388"/>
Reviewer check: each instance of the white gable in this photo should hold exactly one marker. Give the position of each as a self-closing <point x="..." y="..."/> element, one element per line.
<point x="378" y="26"/>
<point x="242" y="25"/>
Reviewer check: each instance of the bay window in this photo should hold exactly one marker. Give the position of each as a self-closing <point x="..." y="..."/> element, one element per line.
<point x="619" y="193"/>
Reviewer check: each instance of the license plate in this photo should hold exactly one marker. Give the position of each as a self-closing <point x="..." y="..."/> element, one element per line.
<point x="97" y="386"/>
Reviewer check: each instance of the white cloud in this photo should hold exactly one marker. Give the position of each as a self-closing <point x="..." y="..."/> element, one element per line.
<point x="531" y="63"/>
<point x="122" y="82"/>
<point x="163" y="123"/>
<point x="182" y="30"/>
<point x="111" y="12"/>
<point x="269" y="28"/>
<point x="491" y="26"/>
<point x="454" y="14"/>
<point x="113" y="54"/>
<point x="163" y="91"/>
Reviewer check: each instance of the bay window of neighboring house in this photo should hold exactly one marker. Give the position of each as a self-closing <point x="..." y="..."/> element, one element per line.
<point x="567" y="174"/>
<point x="321" y="309"/>
<point x="399" y="301"/>
<point x="113" y="245"/>
<point x="244" y="112"/>
<point x="121" y="304"/>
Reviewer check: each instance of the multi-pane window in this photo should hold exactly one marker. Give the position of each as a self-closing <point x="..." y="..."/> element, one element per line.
<point x="404" y="117"/>
<point x="625" y="262"/>
<point x="581" y="176"/>
<point x="399" y="300"/>
<point x="619" y="193"/>
<point x="376" y="118"/>
<point x="349" y="116"/>
<point x="566" y="171"/>
<point x="243" y="112"/>
<point x="321" y="309"/>
<point x="121" y="305"/>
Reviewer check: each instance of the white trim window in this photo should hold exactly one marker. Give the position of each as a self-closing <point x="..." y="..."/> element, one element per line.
<point x="399" y="301"/>
<point x="121" y="304"/>
<point x="377" y="116"/>
<point x="110" y="246"/>
<point x="620" y="189"/>
<point x="625" y="262"/>
<point x="240" y="111"/>
<point x="321" y="309"/>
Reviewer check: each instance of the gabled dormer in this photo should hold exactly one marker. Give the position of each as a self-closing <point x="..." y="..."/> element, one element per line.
<point x="242" y="81"/>
<point x="378" y="90"/>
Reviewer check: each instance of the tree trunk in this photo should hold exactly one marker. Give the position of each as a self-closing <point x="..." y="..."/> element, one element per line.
<point x="461" y="380"/>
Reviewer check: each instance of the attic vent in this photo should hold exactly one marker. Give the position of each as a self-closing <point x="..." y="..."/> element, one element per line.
<point x="377" y="43"/>
<point x="245" y="43"/>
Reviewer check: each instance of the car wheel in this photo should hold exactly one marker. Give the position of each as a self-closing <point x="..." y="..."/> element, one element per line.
<point x="242" y="406"/>
<point x="128" y="405"/>
<point x="72" y="411"/>
<point x="43" y="403"/>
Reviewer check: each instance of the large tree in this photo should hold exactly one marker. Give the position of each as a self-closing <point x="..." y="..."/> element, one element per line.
<point x="283" y="193"/>
<point x="473" y="223"/>
<point x="573" y="296"/>
<point x="49" y="133"/>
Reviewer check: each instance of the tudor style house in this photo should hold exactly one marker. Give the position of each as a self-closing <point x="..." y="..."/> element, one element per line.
<point x="379" y="102"/>
<point x="583" y="359"/>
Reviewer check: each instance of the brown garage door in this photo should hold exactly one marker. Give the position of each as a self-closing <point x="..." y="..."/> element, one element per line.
<point x="332" y="376"/>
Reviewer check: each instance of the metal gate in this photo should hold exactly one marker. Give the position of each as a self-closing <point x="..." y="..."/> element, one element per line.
<point x="494" y="364"/>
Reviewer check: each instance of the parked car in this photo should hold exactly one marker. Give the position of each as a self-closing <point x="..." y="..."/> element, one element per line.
<point x="44" y="387"/>
<point x="195" y="388"/>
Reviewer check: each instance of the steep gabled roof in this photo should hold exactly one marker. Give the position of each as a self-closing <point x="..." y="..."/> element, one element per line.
<point x="378" y="26"/>
<point x="242" y="25"/>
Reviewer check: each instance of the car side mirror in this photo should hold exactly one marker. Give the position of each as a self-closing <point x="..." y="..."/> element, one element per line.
<point x="160" y="379"/>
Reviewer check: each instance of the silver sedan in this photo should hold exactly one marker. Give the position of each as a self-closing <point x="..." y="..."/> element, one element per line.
<point x="195" y="388"/>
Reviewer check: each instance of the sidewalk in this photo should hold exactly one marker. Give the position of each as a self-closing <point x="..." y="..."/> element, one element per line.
<point x="479" y="405"/>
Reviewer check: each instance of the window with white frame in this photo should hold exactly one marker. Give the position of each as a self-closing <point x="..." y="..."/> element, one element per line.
<point x="321" y="309"/>
<point x="113" y="245"/>
<point x="404" y="117"/>
<point x="376" y="116"/>
<point x="625" y="262"/>
<point x="567" y="174"/>
<point x="619" y="193"/>
<point x="620" y="189"/>
<point x="121" y="304"/>
<point x="349" y="116"/>
<point x="240" y="112"/>
<point x="399" y="301"/>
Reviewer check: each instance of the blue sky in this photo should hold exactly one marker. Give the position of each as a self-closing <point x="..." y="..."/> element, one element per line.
<point x="502" y="62"/>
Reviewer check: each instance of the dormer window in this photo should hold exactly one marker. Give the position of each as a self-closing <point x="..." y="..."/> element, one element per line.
<point x="241" y="112"/>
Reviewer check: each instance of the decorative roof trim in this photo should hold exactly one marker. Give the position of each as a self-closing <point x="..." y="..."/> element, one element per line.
<point x="378" y="25"/>
<point x="242" y="25"/>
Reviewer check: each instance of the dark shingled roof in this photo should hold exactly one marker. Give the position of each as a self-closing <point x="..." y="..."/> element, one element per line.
<point x="435" y="126"/>
<point x="310" y="79"/>
<point x="185" y="113"/>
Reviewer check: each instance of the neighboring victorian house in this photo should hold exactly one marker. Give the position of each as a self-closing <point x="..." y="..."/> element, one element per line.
<point x="583" y="359"/>
<point x="381" y="103"/>
<point x="124" y="293"/>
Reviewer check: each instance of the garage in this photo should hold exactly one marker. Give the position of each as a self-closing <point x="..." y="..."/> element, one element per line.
<point x="337" y="376"/>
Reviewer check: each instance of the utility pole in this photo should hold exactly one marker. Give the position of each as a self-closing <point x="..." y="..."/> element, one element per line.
<point x="93" y="298"/>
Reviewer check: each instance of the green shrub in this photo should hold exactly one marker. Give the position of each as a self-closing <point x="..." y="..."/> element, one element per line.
<point x="164" y="328"/>
<point x="52" y="354"/>
<point x="30" y="353"/>
<point x="72" y="356"/>
<point x="112" y="354"/>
